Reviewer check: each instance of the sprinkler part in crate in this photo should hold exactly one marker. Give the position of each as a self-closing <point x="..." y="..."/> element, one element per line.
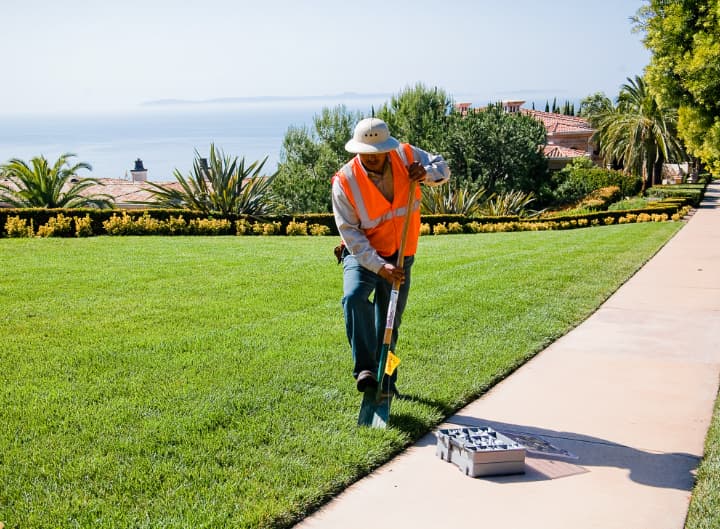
<point x="480" y="451"/>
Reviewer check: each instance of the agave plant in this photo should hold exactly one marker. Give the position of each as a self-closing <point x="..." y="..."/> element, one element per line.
<point x="443" y="200"/>
<point x="510" y="203"/>
<point x="41" y="185"/>
<point x="225" y="185"/>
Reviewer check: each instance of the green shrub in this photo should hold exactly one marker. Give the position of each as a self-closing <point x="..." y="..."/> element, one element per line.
<point x="630" y="203"/>
<point x="581" y="178"/>
<point x="692" y="193"/>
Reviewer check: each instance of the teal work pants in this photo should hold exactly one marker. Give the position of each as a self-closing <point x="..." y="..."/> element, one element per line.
<point x="365" y="301"/>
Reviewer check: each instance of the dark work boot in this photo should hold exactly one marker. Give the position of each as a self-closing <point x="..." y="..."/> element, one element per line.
<point x="366" y="379"/>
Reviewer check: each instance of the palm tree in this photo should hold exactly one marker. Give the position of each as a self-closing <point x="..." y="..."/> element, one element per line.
<point x="639" y="134"/>
<point x="40" y="185"/>
<point x="225" y="185"/>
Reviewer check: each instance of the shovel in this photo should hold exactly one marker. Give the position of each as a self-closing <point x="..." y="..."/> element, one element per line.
<point x="375" y="407"/>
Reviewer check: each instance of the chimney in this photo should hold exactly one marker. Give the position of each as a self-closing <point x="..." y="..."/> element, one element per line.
<point x="139" y="174"/>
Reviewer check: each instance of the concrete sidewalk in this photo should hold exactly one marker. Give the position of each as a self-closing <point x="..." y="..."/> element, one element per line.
<point x="628" y="395"/>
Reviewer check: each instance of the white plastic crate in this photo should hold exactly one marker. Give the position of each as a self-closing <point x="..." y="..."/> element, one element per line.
<point x="481" y="451"/>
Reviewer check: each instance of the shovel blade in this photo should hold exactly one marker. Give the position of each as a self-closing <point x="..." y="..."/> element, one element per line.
<point x="374" y="412"/>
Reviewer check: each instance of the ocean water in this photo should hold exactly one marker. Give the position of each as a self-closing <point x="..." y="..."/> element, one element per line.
<point x="164" y="137"/>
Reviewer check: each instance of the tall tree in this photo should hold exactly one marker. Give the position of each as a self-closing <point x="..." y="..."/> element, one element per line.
<point x="593" y="105"/>
<point x="309" y="158"/>
<point x="41" y="185"/>
<point x="684" y="69"/>
<point x="496" y="150"/>
<point x="638" y="133"/>
<point x="418" y="115"/>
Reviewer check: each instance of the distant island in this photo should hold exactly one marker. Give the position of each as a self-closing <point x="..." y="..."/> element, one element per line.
<point x="259" y="99"/>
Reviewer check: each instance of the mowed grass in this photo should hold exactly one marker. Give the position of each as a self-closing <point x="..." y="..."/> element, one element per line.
<point x="205" y="381"/>
<point x="704" y="512"/>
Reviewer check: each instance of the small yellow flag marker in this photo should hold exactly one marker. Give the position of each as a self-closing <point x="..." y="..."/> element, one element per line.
<point x="391" y="363"/>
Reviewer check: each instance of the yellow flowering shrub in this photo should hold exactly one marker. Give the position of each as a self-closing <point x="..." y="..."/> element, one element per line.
<point x="296" y="228"/>
<point x="59" y="226"/>
<point x="455" y="227"/>
<point x="266" y="228"/>
<point x="440" y="229"/>
<point x="176" y="226"/>
<point x="16" y="227"/>
<point x="119" y="225"/>
<point x="83" y="226"/>
<point x="210" y="226"/>
<point x="319" y="229"/>
<point x="243" y="227"/>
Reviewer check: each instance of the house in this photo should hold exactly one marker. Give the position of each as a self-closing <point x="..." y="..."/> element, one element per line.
<point x="125" y="193"/>
<point x="568" y="137"/>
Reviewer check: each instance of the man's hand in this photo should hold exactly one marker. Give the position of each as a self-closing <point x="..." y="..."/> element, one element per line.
<point x="417" y="171"/>
<point x="391" y="273"/>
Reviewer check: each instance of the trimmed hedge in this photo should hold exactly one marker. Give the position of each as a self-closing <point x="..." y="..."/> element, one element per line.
<point x="692" y="193"/>
<point x="87" y="222"/>
<point x="100" y="217"/>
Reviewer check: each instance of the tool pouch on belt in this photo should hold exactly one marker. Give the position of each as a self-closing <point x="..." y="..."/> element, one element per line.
<point x="339" y="250"/>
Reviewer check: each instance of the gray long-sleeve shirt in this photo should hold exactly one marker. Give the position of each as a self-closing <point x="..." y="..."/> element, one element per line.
<point x="348" y="221"/>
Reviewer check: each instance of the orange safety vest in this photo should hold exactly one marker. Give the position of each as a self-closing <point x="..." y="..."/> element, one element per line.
<point x="381" y="220"/>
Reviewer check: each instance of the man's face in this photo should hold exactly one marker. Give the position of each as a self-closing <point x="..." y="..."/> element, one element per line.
<point x="374" y="162"/>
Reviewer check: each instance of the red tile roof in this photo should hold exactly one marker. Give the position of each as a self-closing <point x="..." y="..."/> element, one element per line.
<point x="559" y="123"/>
<point x="557" y="152"/>
<point x="123" y="191"/>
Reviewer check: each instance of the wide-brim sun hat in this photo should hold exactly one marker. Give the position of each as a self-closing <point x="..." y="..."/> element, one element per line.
<point x="371" y="136"/>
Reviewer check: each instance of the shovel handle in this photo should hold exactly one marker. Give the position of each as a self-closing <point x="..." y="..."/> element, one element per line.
<point x="390" y="322"/>
<point x="406" y="227"/>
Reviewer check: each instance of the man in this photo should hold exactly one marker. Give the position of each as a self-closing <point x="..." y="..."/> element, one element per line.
<point x="369" y="197"/>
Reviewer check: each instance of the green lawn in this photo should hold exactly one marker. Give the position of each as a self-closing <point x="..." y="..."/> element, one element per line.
<point x="704" y="510"/>
<point x="205" y="381"/>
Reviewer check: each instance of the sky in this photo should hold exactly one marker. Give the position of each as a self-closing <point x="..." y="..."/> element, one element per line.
<point x="77" y="56"/>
